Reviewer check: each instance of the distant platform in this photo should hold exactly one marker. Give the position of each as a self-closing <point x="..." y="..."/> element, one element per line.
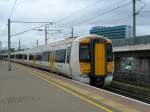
<point x="26" y="89"/>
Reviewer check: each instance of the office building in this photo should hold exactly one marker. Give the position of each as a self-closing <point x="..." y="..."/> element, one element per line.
<point x="123" y="31"/>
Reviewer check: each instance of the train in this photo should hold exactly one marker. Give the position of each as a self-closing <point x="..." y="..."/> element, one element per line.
<point x="88" y="59"/>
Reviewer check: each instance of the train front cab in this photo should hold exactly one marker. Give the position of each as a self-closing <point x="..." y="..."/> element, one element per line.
<point x="96" y="60"/>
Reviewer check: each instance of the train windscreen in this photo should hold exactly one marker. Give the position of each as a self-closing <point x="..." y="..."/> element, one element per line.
<point x="109" y="53"/>
<point x="84" y="53"/>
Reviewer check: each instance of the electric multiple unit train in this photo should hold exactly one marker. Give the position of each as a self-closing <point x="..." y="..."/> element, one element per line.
<point x="88" y="59"/>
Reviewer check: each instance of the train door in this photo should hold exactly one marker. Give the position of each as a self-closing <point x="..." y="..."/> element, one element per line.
<point x="67" y="65"/>
<point x="52" y="61"/>
<point x="60" y="59"/>
<point x="34" y="59"/>
<point x="99" y="59"/>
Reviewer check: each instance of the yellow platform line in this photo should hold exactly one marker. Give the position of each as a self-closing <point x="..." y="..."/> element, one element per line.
<point x="39" y="75"/>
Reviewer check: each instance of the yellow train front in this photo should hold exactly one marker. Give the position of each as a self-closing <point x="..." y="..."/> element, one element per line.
<point x="96" y="60"/>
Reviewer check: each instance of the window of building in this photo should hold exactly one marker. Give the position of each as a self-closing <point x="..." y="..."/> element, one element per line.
<point x="60" y="56"/>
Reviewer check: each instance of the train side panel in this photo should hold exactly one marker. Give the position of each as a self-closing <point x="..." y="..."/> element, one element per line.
<point x="74" y="62"/>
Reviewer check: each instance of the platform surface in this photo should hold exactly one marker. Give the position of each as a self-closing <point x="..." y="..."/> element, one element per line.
<point x="26" y="89"/>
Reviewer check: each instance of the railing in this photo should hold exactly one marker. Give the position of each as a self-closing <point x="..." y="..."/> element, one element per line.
<point x="133" y="78"/>
<point x="130" y="41"/>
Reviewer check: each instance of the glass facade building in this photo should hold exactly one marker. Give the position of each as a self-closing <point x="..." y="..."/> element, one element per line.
<point x="123" y="31"/>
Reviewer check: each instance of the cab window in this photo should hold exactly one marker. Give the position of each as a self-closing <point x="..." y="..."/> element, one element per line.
<point x="84" y="53"/>
<point x="109" y="53"/>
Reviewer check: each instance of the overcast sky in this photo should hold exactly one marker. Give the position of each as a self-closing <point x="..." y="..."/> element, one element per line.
<point x="80" y="14"/>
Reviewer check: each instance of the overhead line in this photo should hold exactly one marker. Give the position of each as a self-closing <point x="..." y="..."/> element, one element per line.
<point x="103" y="19"/>
<point x="13" y="8"/>
<point x="78" y="17"/>
<point x="80" y="10"/>
<point x="103" y="13"/>
<point x="32" y="22"/>
<point x="28" y="30"/>
<point x="106" y="12"/>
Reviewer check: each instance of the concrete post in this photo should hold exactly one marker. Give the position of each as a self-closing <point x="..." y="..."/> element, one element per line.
<point x="9" y="62"/>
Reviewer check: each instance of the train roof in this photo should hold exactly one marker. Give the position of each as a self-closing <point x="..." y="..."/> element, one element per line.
<point x="65" y="41"/>
<point x="46" y="47"/>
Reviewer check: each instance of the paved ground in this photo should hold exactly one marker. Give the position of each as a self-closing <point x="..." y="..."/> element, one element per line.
<point x="22" y="92"/>
<point x="28" y="89"/>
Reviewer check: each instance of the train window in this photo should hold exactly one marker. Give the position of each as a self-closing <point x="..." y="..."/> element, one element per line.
<point x="46" y="56"/>
<point x="11" y="56"/>
<point x="109" y="53"/>
<point x="84" y="53"/>
<point x="20" y="56"/>
<point x="30" y="57"/>
<point x="60" y="56"/>
<point x="16" y="56"/>
<point x="25" y="56"/>
<point x="68" y="54"/>
<point x="6" y="56"/>
<point x="50" y="56"/>
<point x="39" y="56"/>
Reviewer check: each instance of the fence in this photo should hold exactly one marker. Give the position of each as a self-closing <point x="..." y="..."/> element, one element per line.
<point x="131" y="41"/>
<point x="133" y="78"/>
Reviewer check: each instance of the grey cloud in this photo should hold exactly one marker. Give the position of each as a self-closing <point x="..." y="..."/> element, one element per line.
<point x="54" y="10"/>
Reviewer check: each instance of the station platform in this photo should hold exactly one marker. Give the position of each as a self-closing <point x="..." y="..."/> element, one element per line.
<point x="28" y="89"/>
